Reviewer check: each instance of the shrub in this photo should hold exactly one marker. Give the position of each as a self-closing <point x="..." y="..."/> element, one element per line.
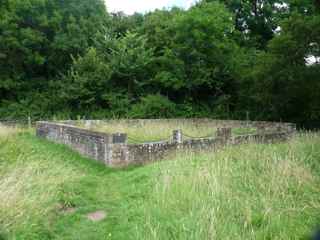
<point x="153" y="106"/>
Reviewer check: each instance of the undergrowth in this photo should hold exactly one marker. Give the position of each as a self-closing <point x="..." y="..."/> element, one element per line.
<point x="243" y="192"/>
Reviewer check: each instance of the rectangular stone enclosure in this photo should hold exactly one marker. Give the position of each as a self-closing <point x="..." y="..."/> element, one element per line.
<point x="114" y="150"/>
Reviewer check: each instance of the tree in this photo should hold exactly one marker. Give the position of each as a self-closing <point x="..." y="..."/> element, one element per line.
<point x="86" y="83"/>
<point x="102" y="77"/>
<point x="129" y="58"/>
<point x="38" y="37"/>
<point x="122" y="23"/>
<point x="287" y="85"/>
<point x="220" y="58"/>
<point x="257" y="20"/>
<point x="193" y="53"/>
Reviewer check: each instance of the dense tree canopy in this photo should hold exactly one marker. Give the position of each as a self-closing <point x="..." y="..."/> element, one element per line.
<point x="227" y="59"/>
<point x="37" y="40"/>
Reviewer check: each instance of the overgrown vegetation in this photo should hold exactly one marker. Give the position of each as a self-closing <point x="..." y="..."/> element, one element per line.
<point x="222" y="59"/>
<point x="244" y="192"/>
<point x="247" y="192"/>
<point x="163" y="131"/>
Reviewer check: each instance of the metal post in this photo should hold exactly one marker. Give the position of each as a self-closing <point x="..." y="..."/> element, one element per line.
<point x="29" y="122"/>
<point x="119" y="138"/>
<point x="177" y="136"/>
<point x="224" y="133"/>
<point x="247" y="117"/>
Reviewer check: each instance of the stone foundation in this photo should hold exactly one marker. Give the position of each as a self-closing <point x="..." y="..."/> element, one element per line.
<point x="114" y="150"/>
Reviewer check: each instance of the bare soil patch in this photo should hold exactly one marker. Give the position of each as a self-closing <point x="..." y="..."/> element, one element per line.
<point x="97" y="216"/>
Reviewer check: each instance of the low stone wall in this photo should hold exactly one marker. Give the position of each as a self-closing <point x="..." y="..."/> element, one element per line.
<point x="113" y="149"/>
<point x="212" y="123"/>
<point x="17" y="123"/>
<point x="150" y="152"/>
<point x="96" y="145"/>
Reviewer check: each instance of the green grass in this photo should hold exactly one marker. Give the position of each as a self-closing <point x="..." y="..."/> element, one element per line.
<point x="243" y="131"/>
<point x="244" y="192"/>
<point x="152" y="132"/>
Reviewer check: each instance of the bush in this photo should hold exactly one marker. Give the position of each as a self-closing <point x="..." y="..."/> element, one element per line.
<point x="36" y="105"/>
<point x="153" y="106"/>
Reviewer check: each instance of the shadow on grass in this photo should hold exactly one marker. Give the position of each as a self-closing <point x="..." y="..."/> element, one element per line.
<point x="74" y="157"/>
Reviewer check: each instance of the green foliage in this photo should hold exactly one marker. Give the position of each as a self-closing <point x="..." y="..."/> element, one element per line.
<point x="101" y="77"/>
<point x="285" y="81"/>
<point x="246" y="192"/>
<point x="86" y="82"/>
<point x="129" y="57"/>
<point x="37" y="105"/>
<point x="222" y="59"/>
<point x="255" y="19"/>
<point x="38" y="37"/>
<point x="117" y="103"/>
<point x="193" y="52"/>
<point x="202" y="42"/>
<point x="121" y="23"/>
<point x="225" y="195"/>
<point x="153" y="106"/>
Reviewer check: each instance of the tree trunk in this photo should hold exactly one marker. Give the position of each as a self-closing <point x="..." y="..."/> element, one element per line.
<point x="255" y="7"/>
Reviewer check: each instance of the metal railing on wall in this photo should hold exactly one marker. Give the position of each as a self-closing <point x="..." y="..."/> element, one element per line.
<point x="196" y="137"/>
<point x="177" y="137"/>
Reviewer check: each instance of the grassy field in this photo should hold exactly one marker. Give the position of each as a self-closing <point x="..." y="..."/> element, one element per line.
<point x="155" y="131"/>
<point x="244" y="192"/>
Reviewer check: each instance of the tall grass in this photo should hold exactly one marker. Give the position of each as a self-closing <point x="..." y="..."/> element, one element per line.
<point x="30" y="184"/>
<point x="243" y="192"/>
<point x="246" y="192"/>
<point x="8" y="131"/>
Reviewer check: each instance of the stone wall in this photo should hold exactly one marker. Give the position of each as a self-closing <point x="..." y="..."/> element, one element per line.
<point x="27" y="123"/>
<point x="113" y="149"/>
<point x="96" y="145"/>
<point x="213" y="123"/>
<point x="150" y="152"/>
